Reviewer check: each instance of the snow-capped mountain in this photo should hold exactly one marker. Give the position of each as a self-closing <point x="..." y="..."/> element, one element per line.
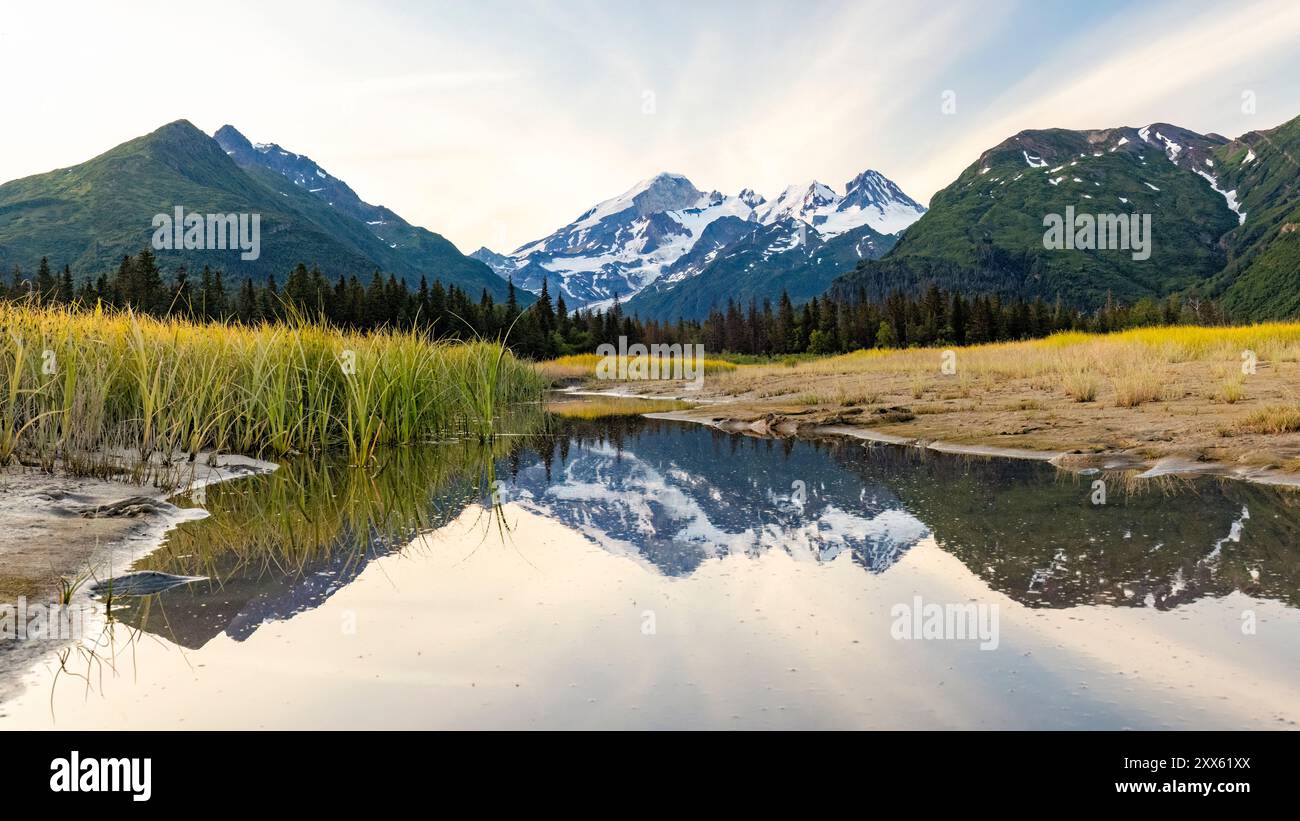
<point x="648" y="500"/>
<point x="871" y="199"/>
<point x="786" y="256"/>
<point x="303" y="172"/>
<point x="666" y="230"/>
<point x="622" y="244"/>
<point x="803" y="202"/>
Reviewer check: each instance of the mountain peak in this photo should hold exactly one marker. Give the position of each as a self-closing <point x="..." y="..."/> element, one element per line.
<point x="176" y="132"/>
<point x="662" y="192"/>
<point x="799" y="201"/>
<point x="177" y="126"/>
<point x="873" y="188"/>
<point x="666" y="185"/>
<point x="231" y="139"/>
<point x="870" y="177"/>
<point x="500" y="264"/>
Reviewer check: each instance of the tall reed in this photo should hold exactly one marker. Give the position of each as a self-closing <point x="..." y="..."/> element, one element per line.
<point x="79" y="385"/>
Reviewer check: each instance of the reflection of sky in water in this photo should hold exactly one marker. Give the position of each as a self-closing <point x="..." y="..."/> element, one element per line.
<point x="771" y="568"/>
<point x="673" y="497"/>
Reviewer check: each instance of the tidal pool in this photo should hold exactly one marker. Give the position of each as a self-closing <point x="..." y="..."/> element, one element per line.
<point x="638" y="573"/>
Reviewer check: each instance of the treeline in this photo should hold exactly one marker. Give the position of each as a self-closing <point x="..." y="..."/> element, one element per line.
<point x="546" y="328"/>
<point x="935" y="317"/>
<point x="543" y="330"/>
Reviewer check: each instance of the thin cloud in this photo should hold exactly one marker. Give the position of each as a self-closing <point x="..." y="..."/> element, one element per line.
<point x="1127" y="75"/>
<point x="438" y="80"/>
<point x="496" y="122"/>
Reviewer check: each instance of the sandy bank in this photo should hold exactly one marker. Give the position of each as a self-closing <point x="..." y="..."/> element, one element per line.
<point x="57" y="527"/>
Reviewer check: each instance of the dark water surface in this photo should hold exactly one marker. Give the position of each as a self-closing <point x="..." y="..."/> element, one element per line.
<point x="643" y="573"/>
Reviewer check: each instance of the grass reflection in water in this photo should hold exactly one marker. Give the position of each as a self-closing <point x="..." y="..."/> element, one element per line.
<point x="281" y="543"/>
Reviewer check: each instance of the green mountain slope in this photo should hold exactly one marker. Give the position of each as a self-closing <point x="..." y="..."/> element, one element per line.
<point x="90" y="215"/>
<point x="1262" y="278"/>
<point x="402" y="248"/>
<point x="984" y="232"/>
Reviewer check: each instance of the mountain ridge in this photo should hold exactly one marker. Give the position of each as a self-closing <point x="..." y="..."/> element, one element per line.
<point x="984" y="232"/>
<point x="91" y="214"/>
<point x="664" y="247"/>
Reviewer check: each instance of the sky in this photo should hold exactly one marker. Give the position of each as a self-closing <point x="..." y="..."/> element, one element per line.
<point x="496" y="122"/>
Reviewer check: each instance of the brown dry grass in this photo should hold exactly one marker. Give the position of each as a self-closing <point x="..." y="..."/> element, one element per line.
<point x="1148" y="392"/>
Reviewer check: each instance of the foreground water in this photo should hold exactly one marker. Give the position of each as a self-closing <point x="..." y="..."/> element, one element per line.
<point x="651" y="574"/>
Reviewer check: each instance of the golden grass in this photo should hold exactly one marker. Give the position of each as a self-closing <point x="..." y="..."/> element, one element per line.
<point x="1137" y="387"/>
<point x="1273" y="419"/>
<point x="583" y="366"/>
<point x="1232" y="389"/>
<point x="1081" y="386"/>
<point x="604" y="407"/>
<point x="77" y="385"/>
<point x="1123" y="369"/>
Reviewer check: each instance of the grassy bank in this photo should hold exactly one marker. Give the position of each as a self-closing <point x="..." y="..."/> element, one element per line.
<point x="79" y="386"/>
<point x="1228" y="394"/>
<point x="1127" y="368"/>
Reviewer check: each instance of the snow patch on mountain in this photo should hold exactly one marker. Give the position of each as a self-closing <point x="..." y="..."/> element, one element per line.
<point x="1229" y="196"/>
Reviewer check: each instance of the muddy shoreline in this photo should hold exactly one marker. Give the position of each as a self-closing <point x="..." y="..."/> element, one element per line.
<point x="57" y="530"/>
<point x="775" y="423"/>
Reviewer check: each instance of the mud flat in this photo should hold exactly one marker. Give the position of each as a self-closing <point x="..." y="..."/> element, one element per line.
<point x="57" y="530"/>
<point x="1273" y="464"/>
<point x="1219" y="400"/>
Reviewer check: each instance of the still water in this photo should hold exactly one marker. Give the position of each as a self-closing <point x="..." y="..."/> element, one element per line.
<point x="638" y="573"/>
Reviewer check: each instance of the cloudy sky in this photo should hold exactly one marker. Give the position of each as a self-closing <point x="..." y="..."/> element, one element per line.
<point x="494" y="122"/>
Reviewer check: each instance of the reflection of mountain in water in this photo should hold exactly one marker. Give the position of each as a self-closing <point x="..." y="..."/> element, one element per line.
<point x="1034" y="534"/>
<point x="282" y="543"/>
<point x="673" y="496"/>
<point x="678" y="496"/>
<point x="240" y="600"/>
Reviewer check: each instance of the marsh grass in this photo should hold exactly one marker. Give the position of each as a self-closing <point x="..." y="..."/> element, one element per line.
<point x="863" y="397"/>
<point x="1135" y="388"/>
<point x="66" y="587"/>
<point x="1232" y="389"/>
<point x="1081" y="386"/>
<point x="1273" y="419"/>
<point x="95" y="389"/>
<point x="917" y="385"/>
